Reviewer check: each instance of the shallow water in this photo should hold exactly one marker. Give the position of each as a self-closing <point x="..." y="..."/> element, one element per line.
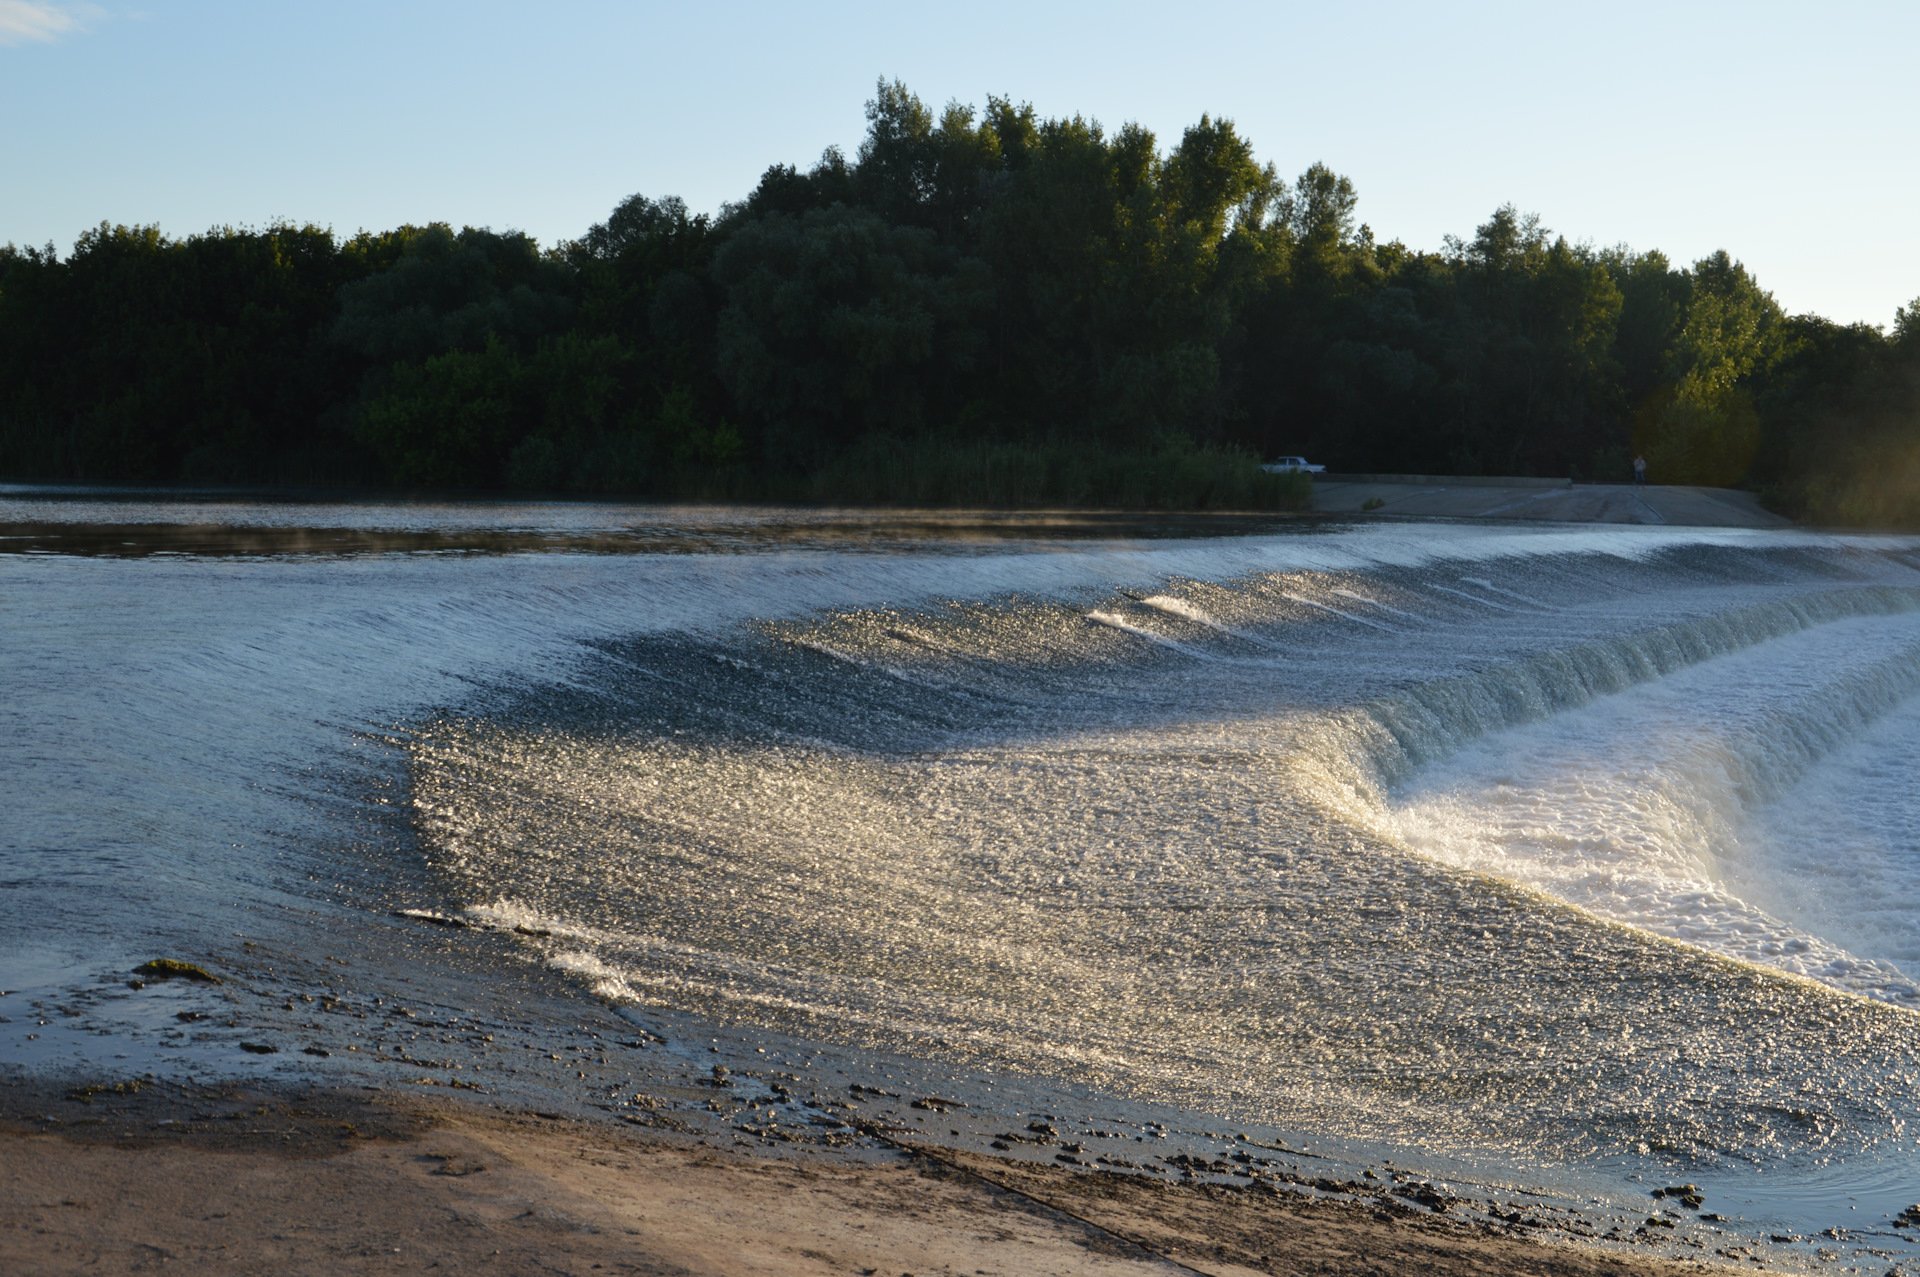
<point x="1562" y="847"/>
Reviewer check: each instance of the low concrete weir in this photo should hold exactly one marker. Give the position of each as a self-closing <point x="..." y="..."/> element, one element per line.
<point x="1564" y="849"/>
<point x="1543" y="500"/>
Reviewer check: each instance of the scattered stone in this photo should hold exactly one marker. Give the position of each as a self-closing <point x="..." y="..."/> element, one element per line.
<point x="1908" y="1218"/>
<point x="1425" y="1195"/>
<point x="1688" y="1195"/>
<point x="260" y="1048"/>
<point x="174" y="969"/>
<point x="936" y="1104"/>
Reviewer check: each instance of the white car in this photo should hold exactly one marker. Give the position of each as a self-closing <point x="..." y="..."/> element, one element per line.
<point x="1292" y="465"/>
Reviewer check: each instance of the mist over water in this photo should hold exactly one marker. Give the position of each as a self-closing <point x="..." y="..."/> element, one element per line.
<point x="1556" y="844"/>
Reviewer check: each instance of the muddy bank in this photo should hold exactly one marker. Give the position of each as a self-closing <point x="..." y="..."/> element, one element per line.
<point x="1540" y="500"/>
<point x="246" y="1179"/>
<point x="320" y="1114"/>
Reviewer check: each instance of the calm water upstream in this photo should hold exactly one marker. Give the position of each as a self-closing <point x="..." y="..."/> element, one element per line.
<point x="1584" y="847"/>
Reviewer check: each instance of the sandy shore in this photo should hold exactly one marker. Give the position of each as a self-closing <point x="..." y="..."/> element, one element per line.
<point x="244" y="1180"/>
<point x="435" y="1099"/>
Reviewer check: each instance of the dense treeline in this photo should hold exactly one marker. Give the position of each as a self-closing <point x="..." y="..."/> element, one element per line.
<point x="979" y="305"/>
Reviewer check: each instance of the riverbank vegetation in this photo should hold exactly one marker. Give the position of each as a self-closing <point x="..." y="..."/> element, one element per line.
<point x="980" y="306"/>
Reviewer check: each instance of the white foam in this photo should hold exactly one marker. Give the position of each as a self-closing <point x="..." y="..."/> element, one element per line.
<point x="1659" y="806"/>
<point x="1471" y="598"/>
<point x="1121" y="623"/>
<point x="1343" y="615"/>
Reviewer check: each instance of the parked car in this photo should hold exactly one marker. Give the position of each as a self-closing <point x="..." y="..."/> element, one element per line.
<point x="1292" y="465"/>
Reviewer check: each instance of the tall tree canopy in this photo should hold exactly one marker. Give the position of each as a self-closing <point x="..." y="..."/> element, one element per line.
<point x="973" y="281"/>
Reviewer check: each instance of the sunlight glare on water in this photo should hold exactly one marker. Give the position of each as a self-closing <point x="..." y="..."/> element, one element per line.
<point x="1367" y="831"/>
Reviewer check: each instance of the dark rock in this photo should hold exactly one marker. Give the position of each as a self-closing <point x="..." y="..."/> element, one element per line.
<point x="936" y="1104"/>
<point x="174" y="969"/>
<point x="1425" y="1195"/>
<point x="1688" y="1195"/>
<point x="260" y="1048"/>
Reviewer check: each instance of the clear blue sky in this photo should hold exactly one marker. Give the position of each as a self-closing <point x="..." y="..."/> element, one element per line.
<point x="1784" y="133"/>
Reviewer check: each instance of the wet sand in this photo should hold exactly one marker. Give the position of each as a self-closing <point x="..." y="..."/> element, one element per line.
<point x="479" y="1115"/>
<point x="241" y="1180"/>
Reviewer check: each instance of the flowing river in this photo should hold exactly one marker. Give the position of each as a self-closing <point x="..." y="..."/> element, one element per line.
<point x="1568" y="846"/>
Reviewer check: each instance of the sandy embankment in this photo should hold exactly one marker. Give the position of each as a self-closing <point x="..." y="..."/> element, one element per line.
<point x="248" y="1181"/>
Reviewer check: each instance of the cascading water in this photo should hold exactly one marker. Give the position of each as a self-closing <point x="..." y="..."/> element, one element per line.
<point x="1559" y="845"/>
<point x="1161" y="840"/>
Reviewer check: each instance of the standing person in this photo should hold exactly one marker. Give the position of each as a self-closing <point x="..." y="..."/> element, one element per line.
<point x="1639" y="470"/>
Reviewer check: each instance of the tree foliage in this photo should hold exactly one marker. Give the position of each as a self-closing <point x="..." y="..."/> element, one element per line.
<point x="976" y="284"/>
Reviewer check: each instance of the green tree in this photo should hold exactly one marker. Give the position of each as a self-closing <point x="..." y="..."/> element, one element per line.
<point x="445" y="292"/>
<point x="1706" y="429"/>
<point x="836" y="324"/>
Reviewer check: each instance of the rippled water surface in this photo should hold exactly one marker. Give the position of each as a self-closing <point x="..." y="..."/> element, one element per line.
<point x="1567" y="845"/>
